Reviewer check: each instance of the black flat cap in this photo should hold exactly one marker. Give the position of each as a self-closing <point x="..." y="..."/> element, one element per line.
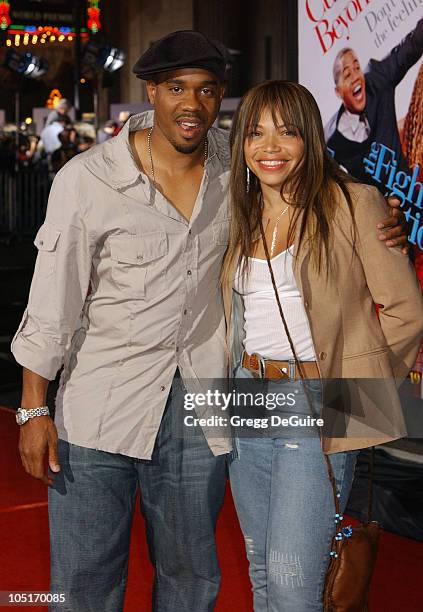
<point x="183" y="49"/>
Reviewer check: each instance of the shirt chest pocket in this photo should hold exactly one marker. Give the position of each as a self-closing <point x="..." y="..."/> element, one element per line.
<point x="139" y="264"/>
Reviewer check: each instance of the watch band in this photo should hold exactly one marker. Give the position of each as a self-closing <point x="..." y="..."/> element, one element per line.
<point x="40" y="411"/>
<point x="24" y="414"/>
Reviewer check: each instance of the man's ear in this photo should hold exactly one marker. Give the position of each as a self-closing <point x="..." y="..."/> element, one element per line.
<point x="151" y="91"/>
<point x="338" y="92"/>
<point x="222" y="92"/>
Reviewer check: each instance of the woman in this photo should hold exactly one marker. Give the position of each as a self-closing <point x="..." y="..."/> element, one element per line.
<point x="329" y="270"/>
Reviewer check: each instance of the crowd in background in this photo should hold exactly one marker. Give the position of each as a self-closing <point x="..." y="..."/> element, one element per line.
<point x="59" y="141"/>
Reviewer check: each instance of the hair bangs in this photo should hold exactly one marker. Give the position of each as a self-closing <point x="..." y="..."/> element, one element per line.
<point x="284" y="108"/>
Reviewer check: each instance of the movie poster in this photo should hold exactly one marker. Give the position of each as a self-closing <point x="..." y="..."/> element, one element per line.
<point x="362" y="60"/>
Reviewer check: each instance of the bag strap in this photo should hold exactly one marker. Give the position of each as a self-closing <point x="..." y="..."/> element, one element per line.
<point x="370" y="488"/>
<point x="301" y="371"/>
<point x="310" y="400"/>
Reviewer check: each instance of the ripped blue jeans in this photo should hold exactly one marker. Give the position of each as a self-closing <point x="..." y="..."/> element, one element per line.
<point x="285" y="506"/>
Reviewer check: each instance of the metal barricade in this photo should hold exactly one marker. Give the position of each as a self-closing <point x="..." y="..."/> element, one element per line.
<point x="23" y="200"/>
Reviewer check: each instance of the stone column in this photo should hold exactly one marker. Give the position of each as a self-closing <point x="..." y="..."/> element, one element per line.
<point x="141" y="23"/>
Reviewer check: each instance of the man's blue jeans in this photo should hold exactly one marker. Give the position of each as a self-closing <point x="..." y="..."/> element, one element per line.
<point x="285" y="506"/>
<point x="91" y="507"/>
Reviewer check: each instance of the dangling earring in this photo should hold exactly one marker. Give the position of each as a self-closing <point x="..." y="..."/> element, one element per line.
<point x="248" y="179"/>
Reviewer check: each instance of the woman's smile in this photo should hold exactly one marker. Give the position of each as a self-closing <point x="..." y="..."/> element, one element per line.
<point x="272" y="165"/>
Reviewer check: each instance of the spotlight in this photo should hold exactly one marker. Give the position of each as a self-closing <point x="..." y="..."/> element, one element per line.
<point x="98" y="54"/>
<point x="26" y="64"/>
<point x="115" y="58"/>
<point x="35" y="66"/>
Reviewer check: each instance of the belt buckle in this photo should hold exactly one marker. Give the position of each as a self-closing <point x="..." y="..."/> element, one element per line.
<point x="261" y="365"/>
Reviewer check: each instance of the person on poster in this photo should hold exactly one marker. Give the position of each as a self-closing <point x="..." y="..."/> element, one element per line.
<point x="367" y="113"/>
<point x="411" y="133"/>
<point x="126" y="295"/>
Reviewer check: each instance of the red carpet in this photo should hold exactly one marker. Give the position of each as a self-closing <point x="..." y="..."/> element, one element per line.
<point x="24" y="552"/>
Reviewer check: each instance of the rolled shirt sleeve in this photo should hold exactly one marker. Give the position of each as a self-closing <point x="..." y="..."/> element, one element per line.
<point x="60" y="281"/>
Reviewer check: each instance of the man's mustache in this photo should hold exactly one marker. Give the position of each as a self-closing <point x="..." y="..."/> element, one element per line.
<point x="198" y="118"/>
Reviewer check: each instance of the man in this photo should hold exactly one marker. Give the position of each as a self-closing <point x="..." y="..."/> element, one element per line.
<point x="110" y="129"/>
<point x="367" y="113"/>
<point x="68" y="149"/>
<point x="60" y="113"/>
<point x="50" y="136"/>
<point x="134" y="238"/>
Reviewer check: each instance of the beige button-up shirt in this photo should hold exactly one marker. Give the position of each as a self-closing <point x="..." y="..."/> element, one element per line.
<point x="125" y="290"/>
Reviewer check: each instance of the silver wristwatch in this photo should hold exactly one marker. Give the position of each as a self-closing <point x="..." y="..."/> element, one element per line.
<point x="23" y="414"/>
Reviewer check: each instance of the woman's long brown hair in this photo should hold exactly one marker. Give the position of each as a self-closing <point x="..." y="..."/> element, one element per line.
<point x="313" y="185"/>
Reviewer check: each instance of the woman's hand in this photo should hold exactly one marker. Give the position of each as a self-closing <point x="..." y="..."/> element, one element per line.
<point x="395" y="229"/>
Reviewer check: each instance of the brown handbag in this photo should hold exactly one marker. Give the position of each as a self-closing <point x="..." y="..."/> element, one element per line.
<point x="353" y="558"/>
<point x="354" y="549"/>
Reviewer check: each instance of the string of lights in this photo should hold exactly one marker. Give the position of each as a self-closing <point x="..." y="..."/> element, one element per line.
<point x="25" y="35"/>
<point x="18" y="35"/>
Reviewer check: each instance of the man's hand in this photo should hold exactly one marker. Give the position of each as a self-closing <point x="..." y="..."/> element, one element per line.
<point x="395" y="230"/>
<point x="38" y="436"/>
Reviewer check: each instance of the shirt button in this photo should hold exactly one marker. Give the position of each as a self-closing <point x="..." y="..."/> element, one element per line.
<point x="162" y="387"/>
<point x="185" y="311"/>
<point x="41" y="242"/>
<point x="189" y="272"/>
<point x="306" y="304"/>
<point x="322" y="356"/>
<point x="189" y="232"/>
<point x="139" y="257"/>
<point x="177" y="349"/>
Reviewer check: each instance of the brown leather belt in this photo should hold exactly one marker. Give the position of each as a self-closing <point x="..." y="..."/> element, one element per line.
<point x="270" y="368"/>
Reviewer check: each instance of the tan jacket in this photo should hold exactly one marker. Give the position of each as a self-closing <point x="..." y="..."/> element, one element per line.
<point x="350" y="341"/>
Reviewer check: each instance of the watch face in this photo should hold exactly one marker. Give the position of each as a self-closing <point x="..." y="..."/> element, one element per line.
<point x="21" y="416"/>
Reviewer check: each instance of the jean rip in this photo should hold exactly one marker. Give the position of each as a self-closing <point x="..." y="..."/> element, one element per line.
<point x="285" y="569"/>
